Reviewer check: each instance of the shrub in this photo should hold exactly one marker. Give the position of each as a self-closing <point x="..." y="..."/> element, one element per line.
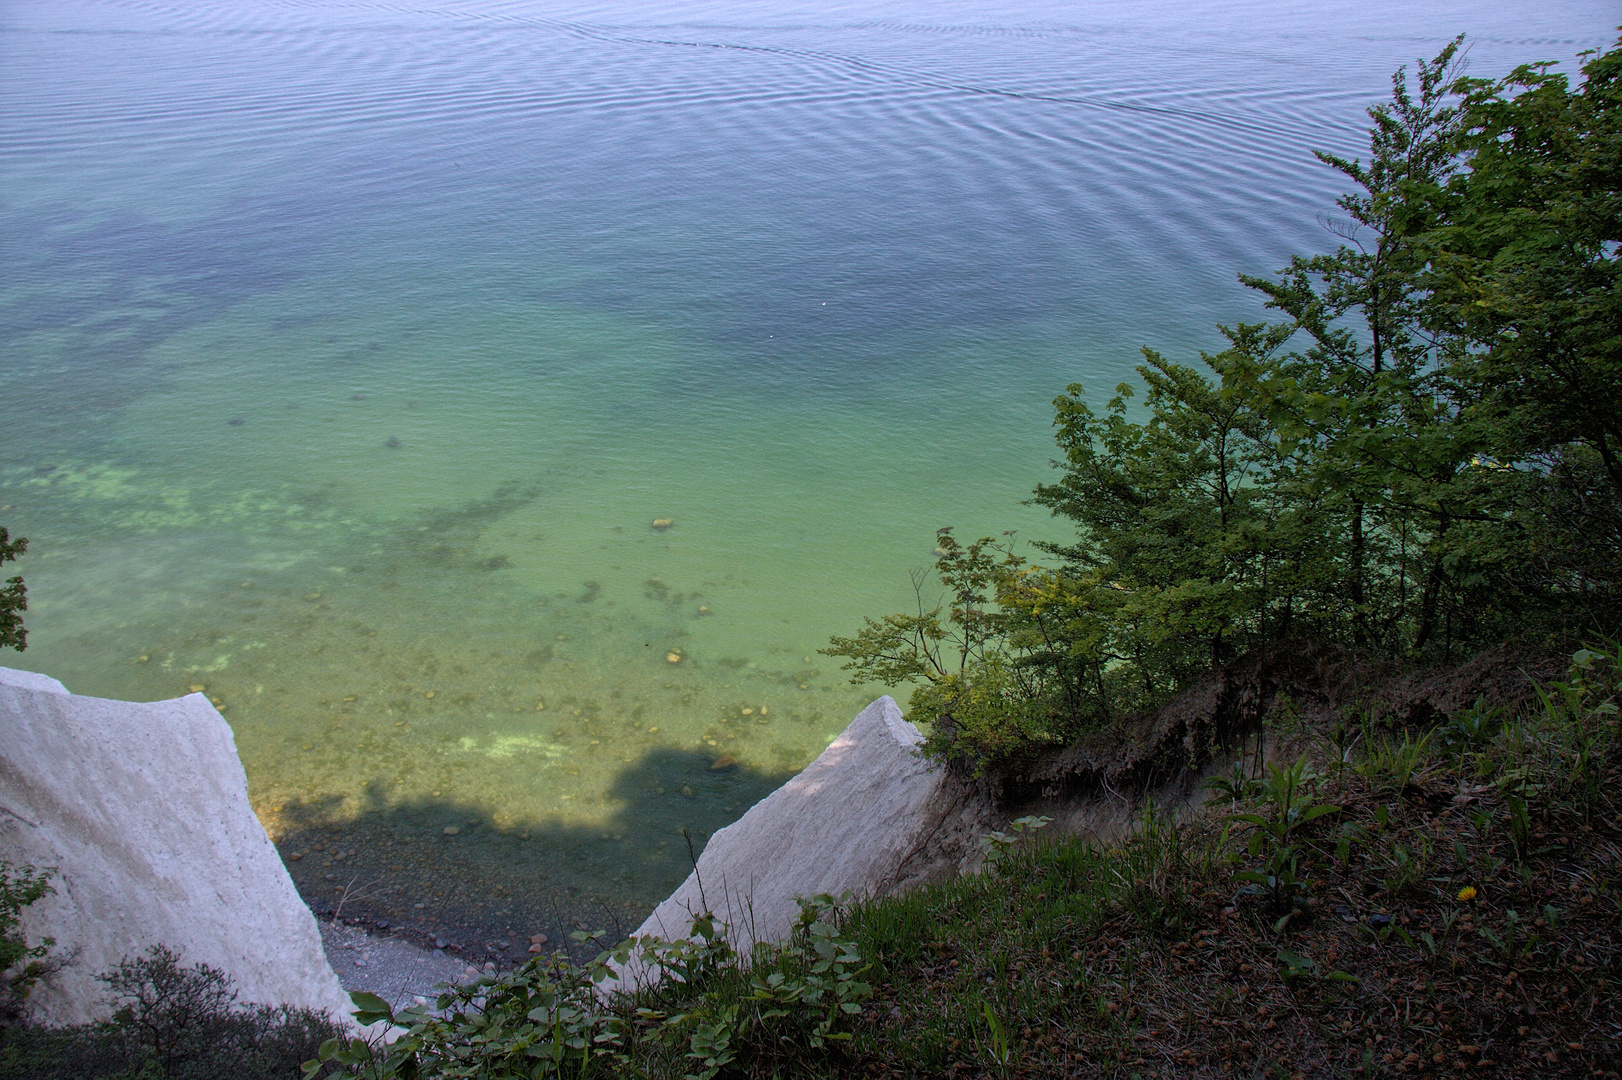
<point x="170" y="1023"/>
<point x="708" y="1012"/>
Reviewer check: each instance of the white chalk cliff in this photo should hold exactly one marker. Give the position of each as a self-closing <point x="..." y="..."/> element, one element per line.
<point x="869" y="815"/>
<point x="143" y="811"/>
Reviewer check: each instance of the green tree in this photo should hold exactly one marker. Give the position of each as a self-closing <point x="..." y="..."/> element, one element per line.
<point x="1194" y="521"/>
<point x="975" y="657"/>
<point x="13" y="596"/>
<point x="1461" y="388"/>
<point x="1521" y="276"/>
<point x="1365" y="400"/>
<point x="1524" y="258"/>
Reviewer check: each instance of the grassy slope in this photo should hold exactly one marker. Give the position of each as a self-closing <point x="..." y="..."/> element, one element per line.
<point x="1154" y="959"/>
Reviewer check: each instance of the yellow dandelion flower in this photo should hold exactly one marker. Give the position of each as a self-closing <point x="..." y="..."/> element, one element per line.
<point x="1467" y="893"/>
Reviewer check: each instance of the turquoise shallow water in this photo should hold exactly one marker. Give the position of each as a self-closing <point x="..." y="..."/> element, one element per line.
<point x="349" y="353"/>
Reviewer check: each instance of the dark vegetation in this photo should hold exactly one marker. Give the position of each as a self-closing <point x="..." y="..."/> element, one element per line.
<point x="169" y="1022"/>
<point x="1282" y="558"/>
<point x="22" y="964"/>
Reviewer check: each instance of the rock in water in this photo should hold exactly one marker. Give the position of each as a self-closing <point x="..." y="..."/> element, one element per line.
<point x="143" y="809"/>
<point x="869" y="815"/>
<point x="723" y="763"/>
<point x="661" y="524"/>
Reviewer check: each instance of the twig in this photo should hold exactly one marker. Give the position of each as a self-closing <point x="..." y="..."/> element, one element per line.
<point x="693" y="858"/>
<point x="348" y="893"/>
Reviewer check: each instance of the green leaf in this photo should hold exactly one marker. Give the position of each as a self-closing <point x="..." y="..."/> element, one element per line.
<point x="369" y="1008"/>
<point x="1316" y="812"/>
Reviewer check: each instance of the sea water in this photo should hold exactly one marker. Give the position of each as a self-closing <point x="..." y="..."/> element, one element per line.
<point x="494" y="407"/>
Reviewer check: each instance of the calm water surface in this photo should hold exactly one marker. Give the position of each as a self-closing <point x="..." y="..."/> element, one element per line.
<point x="348" y="353"/>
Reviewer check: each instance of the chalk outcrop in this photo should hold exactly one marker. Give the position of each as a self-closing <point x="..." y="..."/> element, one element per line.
<point x="869" y="815"/>
<point x="143" y="811"/>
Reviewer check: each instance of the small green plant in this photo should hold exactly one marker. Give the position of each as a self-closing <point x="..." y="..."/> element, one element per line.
<point x="1343" y="737"/>
<point x="999" y="846"/>
<point x="798" y="992"/>
<point x="1391" y="765"/>
<point x="1563" y="755"/>
<point x="1237" y="787"/>
<point x="540" y="1020"/>
<point x="1515" y="943"/>
<point x="1520" y="825"/>
<point x="1471" y="729"/>
<point x="1407" y="867"/>
<point x="1279" y="884"/>
<point x="997" y="1042"/>
<point x="1351" y="833"/>
<point x="1293" y="967"/>
<point x="693" y="960"/>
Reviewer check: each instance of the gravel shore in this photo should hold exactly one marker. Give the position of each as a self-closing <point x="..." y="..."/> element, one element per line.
<point x="390" y="967"/>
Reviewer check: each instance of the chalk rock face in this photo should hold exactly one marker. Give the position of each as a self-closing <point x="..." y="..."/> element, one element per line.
<point x="868" y="815"/>
<point x="143" y="811"/>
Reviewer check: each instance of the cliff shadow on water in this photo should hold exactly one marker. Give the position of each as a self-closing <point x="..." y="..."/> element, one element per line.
<point x="442" y="873"/>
